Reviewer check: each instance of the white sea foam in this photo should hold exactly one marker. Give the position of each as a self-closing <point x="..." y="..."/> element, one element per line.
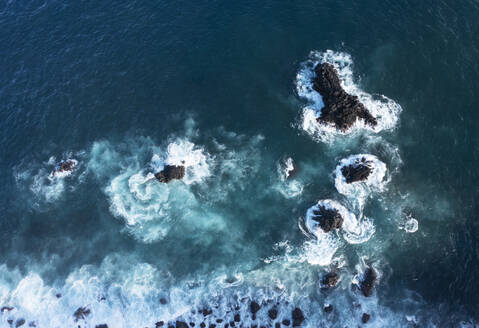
<point x="385" y="110"/>
<point x="360" y="190"/>
<point x="288" y="186"/>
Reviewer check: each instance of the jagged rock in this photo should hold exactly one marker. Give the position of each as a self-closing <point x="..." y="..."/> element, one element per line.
<point x="298" y="317"/>
<point x="273" y="313"/>
<point x="365" y="318"/>
<point x="328" y="308"/>
<point x="192" y="324"/>
<point x="81" y="313"/>
<point x="367" y="284"/>
<point x="254" y="307"/>
<point x="171" y="172"/>
<point x="357" y="171"/>
<point x="340" y="108"/>
<point x="330" y="279"/>
<point x="327" y="218"/>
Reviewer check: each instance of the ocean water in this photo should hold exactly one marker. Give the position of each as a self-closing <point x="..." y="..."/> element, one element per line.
<point x="224" y="88"/>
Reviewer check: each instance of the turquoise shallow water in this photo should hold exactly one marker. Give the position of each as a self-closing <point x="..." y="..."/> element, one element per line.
<point x="216" y="84"/>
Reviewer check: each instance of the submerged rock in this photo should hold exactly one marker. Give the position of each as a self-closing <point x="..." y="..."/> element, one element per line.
<point x="365" y="318"/>
<point x="330" y="279"/>
<point x="81" y="313"/>
<point x="328" y="308"/>
<point x="103" y="325"/>
<point x="171" y="172"/>
<point x="367" y="284"/>
<point x="19" y="322"/>
<point x="328" y="218"/>
<point x="357" y="171"/>
<point x="181" y="324"/>
<point x="340" y="108"/>
<point x="298" y="317"/>
<point x="273" y="313"/>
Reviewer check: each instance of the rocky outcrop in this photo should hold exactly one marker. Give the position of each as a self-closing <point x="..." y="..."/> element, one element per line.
<point x="298" y="317"/>
<point x="64" y="166"/>
<point x="367" y="283"/>
<point x="272" y="313"/>
<point x="327" y="218"/>
<point x="81" y="313"/>
<point x="357" y="171"/>
<point x="365" y="318"/>
<point x="340" y="108"/>
<point x="171" y="172"/>
<point x="330" y="279"/>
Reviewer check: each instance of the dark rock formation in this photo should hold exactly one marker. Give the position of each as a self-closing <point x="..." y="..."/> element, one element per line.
<point x="272" y="313"/>
<point x="340" y="108"/>
<point x="6" y="308"/>
<point x="19" y="322"/>
<point x="163" y="301"/>
<point x="277" y="325"/>
<point x="327" y="218"/>
<point x="32" y="324"/>
<point x="64" y="166"/>
<point x="330" y="279"/>
<point x="357" y="171"/>
<point x="181" y="324"/>
<point x="81" y="313"/>
<point x="103" y="325"/>
<point x="159" y="324"/>
<point x="170" y="172"/>
<point x="328" y="308"/>
<point x="286" y="322"/>
<point x="237" y="317"/>
<point x="367" y="284"/>
<point x="365" y="318"/>
<point x="298" y="317"/>
<point x="254" y="307"/>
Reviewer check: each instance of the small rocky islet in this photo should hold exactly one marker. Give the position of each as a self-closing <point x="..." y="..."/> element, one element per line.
<point x="341" y="109"/>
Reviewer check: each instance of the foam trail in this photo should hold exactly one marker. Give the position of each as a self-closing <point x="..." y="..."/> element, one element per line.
<point x="288" y="186"/>
<point x="385" y="110"/>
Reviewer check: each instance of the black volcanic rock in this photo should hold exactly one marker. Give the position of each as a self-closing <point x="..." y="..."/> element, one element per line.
<point x="328" y="308"/>
<point x="254" y="307"/>
<point x="357" y="171"/>
<point x="327" y="218"/>
<point x="171" y="172"/>
<point x="340" y="108"/>
<point x="298" y="317"/>
<point x="365" y="318"/>
<point x="181" y="324"/>
<point x="81" y="313"/>
<point x="64" y="166"/>
<point x="367" y="284"/>
<point x="272" y="314"/>
<point x="330" y="279"/>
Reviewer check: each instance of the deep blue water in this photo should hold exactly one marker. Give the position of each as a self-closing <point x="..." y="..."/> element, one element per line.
<point x="111" y="84"/>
